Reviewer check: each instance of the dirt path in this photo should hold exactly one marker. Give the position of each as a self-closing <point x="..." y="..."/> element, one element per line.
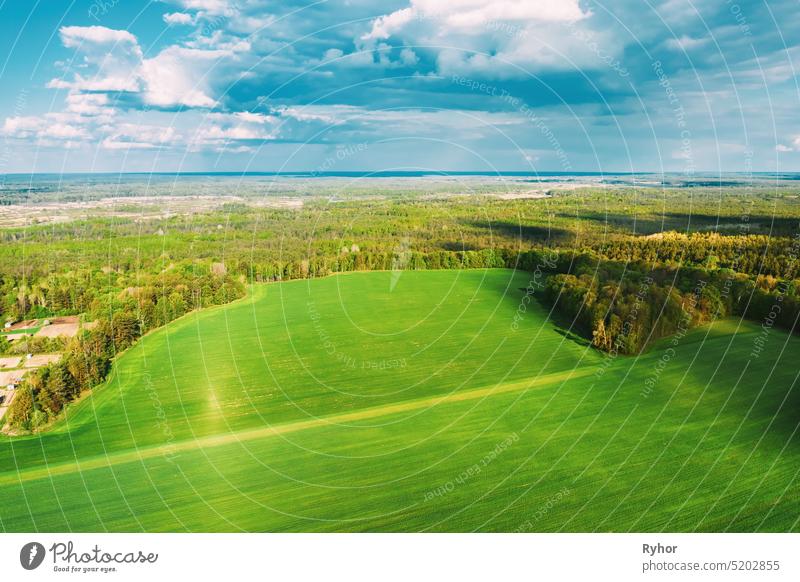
<point x="133" y="455"/>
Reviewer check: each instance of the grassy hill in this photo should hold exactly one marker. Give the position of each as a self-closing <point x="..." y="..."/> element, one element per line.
<point x="408" y="401"/>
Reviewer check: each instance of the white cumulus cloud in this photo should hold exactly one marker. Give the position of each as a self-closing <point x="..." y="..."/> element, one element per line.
<point x="75" y="36"/>
<point x="493" y="38"/>
<point x="179" y="19"/>
<point x="179" y="76"/>
<point x="106" y="59"/>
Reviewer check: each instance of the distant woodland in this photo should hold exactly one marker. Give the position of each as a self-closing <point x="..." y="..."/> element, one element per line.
<point x="622" y="268"/>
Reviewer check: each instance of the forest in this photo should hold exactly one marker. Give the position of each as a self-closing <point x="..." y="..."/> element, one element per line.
<point x="622" y="268"/>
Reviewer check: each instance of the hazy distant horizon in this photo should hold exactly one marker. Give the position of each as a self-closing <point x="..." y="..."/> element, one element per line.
<point x="420" y="173"/>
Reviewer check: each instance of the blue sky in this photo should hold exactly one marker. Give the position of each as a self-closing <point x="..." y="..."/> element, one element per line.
<point x="539" y="85"/>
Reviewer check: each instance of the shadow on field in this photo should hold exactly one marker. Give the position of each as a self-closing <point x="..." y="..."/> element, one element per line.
<point x="459" y="246"/>
<point x="688" y="222"/>
<point x="571" y="335"/>
<point x="528" y="233"/>
<point x="756" y="224"/>
<point x="631" y="224"/>
<point x="762" y="393"/>
<point x="561" y="324"/>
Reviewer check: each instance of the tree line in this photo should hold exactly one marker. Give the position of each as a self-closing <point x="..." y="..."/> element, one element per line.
<point x="620" y="289"/>
<point x="122" y="318"/>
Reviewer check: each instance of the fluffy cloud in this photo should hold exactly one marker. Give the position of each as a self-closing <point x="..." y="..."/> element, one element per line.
<point x="112" y="56"/>
<point x="329" y="72"/>
<point x="209" y="15"/>
<point x="75" y="36"/>
<point x="386" y="26"/>
<point x="474" y="16"/>
<point x="88" y="104"/>
<point x="53" y="126"/>
<point x="188" y="131"/>
<point x="794" y="147"/>
<point x="176" y="77"/>
<point x="179" y="19"/>
<point x="494" y="38"/>
<point x="179" y="76"/>
<point x="220" y="130"/>
<point x="129" y="136"/>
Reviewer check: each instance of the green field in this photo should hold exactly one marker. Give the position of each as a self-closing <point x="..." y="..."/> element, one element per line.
<point x="407" y="402"/>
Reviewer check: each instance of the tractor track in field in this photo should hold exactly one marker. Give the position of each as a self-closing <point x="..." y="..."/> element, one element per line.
<point x="141" y="454"/>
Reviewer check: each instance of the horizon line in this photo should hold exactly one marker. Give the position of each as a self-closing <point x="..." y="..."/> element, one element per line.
<point x="442" y="173"/>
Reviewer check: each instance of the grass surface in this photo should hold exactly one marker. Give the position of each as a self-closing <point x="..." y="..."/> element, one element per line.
<point x="378" y="402"/>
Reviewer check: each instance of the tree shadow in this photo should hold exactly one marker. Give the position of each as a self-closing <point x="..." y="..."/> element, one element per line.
<point x="524" y="232"/>
<point x="458" y="246"/>
<point x="760" y="393"/>
<point x="690" y="222"/>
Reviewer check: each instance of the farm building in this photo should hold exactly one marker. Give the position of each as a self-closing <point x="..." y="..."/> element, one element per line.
<point x="12" y="381"/>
